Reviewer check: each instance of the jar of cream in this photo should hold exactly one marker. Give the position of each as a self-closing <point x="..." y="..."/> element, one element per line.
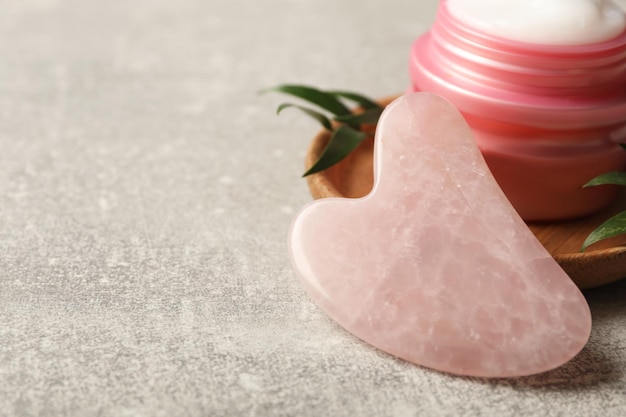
<point x="542" y="84"/>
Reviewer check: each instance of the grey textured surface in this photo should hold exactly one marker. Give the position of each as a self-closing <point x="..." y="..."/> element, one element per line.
<point x="145" y="195"/>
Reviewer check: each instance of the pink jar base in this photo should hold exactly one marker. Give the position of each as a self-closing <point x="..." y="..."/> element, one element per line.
<point x="550" y="188"/>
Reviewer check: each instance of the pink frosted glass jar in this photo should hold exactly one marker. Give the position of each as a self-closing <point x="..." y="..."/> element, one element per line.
<point x="547" y="118"/>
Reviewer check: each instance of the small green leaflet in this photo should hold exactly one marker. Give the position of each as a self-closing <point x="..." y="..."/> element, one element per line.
<point x="320" y="98"/>
<point x="343" y="141"/>
<point x="323" y="120"/>
<point x="614" y="226"/>
<point x="363" y="101"/>
<point x="617" y="178"/>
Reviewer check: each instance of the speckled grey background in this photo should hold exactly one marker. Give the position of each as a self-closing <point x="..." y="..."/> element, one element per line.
<point x="146" y="191"/>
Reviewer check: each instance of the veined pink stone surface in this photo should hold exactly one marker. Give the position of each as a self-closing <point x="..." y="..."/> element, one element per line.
<point x="434" y="265"/>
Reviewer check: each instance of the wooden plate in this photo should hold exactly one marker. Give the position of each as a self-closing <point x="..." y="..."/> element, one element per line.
<point x="601" y="264"/>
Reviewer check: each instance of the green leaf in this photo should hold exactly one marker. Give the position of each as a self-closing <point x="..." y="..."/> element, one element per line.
<point x="365" y="102"/>
<point x="343" y="141"/>
<point x="323" y="120"/>
<point x="614" y="226"/>
<point x="369" y="116"/>
<point x="617" y="178"/>
<point x="320" y="98"/>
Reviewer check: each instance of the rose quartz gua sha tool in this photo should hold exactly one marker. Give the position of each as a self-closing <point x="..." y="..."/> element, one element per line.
<point x="434" y="265"/>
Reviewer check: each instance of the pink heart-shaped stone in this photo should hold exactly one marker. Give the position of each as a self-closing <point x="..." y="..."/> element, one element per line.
<point x="434" y="265"/>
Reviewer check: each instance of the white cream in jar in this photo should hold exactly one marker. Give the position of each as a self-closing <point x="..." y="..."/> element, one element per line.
<point x="556" y="22"/>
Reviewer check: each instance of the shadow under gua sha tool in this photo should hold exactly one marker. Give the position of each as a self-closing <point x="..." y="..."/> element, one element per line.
<point x="434" y="265"/>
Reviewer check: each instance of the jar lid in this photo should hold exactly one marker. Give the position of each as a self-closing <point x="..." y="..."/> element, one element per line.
<point x="572" y="86"/>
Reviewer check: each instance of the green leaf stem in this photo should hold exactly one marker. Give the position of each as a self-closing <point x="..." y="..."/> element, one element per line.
<point x="369" y="116"/>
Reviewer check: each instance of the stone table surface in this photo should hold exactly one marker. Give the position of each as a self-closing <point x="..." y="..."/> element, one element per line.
<point x="146" y="191"/>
